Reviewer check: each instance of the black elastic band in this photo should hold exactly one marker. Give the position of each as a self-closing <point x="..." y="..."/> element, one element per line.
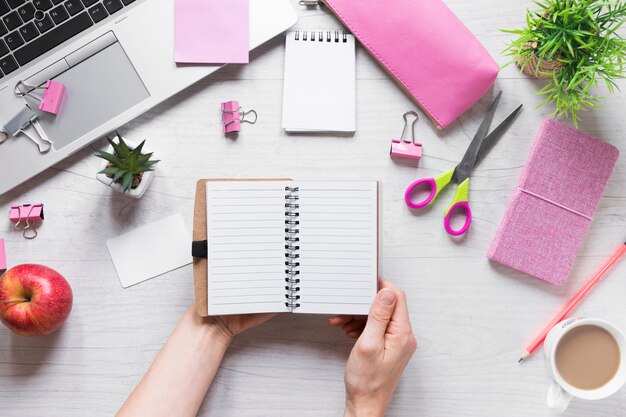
<point x="199" y="249"/>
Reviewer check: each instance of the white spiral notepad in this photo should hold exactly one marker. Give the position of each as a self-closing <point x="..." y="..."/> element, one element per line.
<point x="284" y="246"/>
<point x="320" y="82"/>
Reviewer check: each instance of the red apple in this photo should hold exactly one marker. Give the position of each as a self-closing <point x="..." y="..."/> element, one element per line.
<point x="34" y="300"/>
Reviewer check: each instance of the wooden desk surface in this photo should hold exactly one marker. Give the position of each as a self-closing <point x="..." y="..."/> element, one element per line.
<point x="471" y="318"/>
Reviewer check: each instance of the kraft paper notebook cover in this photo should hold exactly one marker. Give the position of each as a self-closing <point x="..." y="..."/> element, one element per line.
<point x="283" y="246"/>
<point x="546" y="220"/>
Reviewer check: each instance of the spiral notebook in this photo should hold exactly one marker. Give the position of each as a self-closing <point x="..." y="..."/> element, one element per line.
<point x="283" y="246"/>
<point x="320" y="82"/>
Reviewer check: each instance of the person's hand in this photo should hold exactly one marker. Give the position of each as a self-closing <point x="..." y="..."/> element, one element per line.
<point x="230" y="326"/>
<point x="382" y="351"/>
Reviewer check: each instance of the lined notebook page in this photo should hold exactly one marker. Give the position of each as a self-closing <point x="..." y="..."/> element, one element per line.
<point x="246" y="247"/>
<point x="338" y="246"/>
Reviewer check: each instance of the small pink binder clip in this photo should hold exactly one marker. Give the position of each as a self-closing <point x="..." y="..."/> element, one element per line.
<point x="52" y="96"/>
<point x="404" y="148"/>
<point x="233" y="116"/>
<point x="51" y="99"/>
<point x="26" y="217"/>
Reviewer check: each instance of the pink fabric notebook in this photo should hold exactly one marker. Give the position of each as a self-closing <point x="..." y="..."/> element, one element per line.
<point x="426" y="49"/>
<point x="560" y="188"/>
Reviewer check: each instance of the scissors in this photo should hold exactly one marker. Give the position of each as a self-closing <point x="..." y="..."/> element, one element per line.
<point x="480" y="145"/>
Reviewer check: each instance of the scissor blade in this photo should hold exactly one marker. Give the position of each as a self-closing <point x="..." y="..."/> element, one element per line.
<point x="469" y="159"/>
<point x="495" y="136"/>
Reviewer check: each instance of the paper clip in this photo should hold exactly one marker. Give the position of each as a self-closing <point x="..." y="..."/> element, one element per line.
<point x="50" y="101"/>
<point x="404" y="148"/>
<point x="30" y="215"/>
<point x="18" y="125"/>
<point x="233" y="116"/>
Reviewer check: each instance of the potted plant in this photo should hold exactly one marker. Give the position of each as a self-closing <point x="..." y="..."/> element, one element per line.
<point x="126" y="167"/>
<point x="575" y="45"/>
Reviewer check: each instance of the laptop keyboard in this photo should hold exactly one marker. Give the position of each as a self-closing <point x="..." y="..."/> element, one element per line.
<point x="30" y="28"/>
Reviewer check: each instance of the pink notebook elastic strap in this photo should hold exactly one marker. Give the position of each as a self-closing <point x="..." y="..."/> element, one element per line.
<point x="555" y="203"/>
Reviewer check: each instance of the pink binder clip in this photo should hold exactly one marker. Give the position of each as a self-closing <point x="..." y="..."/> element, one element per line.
<point x="52" y="96"/>
<point x="233" y="116"/>
<point x="51" y="99"/>
<point x="26" y="218"/>
<point x="403" y="148"/>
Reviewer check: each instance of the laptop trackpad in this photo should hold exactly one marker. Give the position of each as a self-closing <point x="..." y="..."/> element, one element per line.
<point x="97" y="90"/>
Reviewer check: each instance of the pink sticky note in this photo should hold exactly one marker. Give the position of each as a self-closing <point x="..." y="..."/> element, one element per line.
<point x="212" y="31"/>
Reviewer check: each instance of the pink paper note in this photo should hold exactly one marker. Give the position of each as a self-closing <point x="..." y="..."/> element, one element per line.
<point x="211" y="31"/>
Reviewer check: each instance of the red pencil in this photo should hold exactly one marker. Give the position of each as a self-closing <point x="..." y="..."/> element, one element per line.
<point x="577" y="299"/>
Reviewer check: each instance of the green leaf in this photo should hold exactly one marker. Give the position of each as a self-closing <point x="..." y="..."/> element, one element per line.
<point x="119" y="174"/>
<point x="138" y="149"/>
<point x="127" y="181"/>
<point x="109" y="171"/>
<point x="109" y="157"/>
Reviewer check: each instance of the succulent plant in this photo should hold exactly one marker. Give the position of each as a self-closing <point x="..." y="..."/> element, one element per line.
<point x="126" y="166"/>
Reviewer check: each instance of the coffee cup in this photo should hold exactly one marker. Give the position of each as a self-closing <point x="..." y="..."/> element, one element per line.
<point x="585" y="359"/>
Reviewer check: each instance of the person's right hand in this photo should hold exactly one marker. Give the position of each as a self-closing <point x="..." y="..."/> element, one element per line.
<point x="380" y="354"/>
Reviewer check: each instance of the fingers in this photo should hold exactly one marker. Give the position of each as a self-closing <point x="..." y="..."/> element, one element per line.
<point x="339" y="321"/>
<point x="401" y="313"/>
<point x="383" y="283"/>
<point x="380" y="315"/>
<point x="353" y="325"/>
<point x="356" y="333"/>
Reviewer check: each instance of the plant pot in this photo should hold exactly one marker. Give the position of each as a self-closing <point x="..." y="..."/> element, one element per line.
<point x="546" y="69"/>
<point x="146" y="178"/>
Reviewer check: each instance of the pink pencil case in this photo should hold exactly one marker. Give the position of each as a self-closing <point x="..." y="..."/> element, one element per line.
<point x="546" y="221"/>
<point x="436" y="60"/>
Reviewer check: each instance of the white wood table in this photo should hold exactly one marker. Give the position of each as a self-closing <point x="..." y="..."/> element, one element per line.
<point x="472" y="318"/>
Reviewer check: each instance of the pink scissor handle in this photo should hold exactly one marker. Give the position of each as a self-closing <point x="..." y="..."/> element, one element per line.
<point x="468" y="218"/>
<point x="409" y="191"/>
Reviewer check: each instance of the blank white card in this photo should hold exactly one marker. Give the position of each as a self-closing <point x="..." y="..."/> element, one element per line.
<point x="150" y="250"/>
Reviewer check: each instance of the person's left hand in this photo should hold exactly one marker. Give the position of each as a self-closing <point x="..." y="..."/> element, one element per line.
<point x="229" y="326"/>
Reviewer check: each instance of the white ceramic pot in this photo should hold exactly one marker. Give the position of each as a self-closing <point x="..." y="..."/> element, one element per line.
<point x="146" y="179"/>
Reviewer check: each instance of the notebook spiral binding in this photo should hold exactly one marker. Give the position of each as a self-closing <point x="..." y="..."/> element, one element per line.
<point x="291" y="247"/>
<point x="321" y="36"/>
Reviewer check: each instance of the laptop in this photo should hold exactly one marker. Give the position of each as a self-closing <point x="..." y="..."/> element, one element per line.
<point x="115" y="58"/>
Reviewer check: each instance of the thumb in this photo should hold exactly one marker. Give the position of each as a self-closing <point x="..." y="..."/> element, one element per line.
<point x="380" y="314"/>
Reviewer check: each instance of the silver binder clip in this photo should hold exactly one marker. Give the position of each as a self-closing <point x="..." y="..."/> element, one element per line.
<point x="23" y="89"/>
<point x="18" y="125"/>
<point x="309" y="3"/>
<point x="50" y="100"/>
